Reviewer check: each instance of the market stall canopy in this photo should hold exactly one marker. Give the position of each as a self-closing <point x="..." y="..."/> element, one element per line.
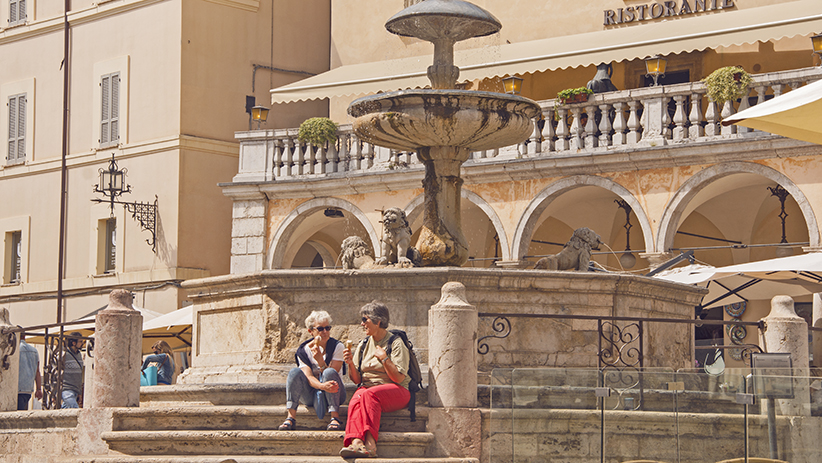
<point x="173" y="328"/>
<point x="86" y="325"/>
<point x="795" y="114"/>
<point x="639" y="40"/>
<point x="762" y="280"/>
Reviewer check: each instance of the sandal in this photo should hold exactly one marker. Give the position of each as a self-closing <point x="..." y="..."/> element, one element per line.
<point x="289" y="424"/>
<point x="355" y="451"/>
<point x="334" y="425"/>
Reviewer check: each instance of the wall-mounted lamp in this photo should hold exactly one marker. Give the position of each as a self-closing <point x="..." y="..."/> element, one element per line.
<point x="782" y="194"/>
<point x="627" y="259"/>
<point x="112" y="185"/>
<point x="512" y="85"/>
<point x="816" y="41"/>
<point x="333" y="213"/>
<point x="259" y="114"/>
<point x="655" y="68"/>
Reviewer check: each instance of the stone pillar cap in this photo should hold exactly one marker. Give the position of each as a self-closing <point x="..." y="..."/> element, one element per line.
<point x="120" y="300"/>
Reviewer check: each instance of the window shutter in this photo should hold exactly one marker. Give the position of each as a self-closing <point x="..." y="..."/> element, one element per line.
<point x="21" y="127"/>
<point x="115" y="108"/>
<point x="12" y="155"/>
<point x="21" y="11"/>
<point x="13" y="12"/>
<point x="105" y="117"/>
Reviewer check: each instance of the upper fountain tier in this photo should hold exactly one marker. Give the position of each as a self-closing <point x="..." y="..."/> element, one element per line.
<point x="434" y="20"/>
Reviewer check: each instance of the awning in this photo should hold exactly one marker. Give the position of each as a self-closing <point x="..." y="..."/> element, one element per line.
<point x="762" y="280"/>
<point x="637" y="40"/>
<point x="795" y="114"/>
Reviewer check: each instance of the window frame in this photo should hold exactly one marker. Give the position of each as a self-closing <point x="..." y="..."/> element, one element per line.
<point x="110" y="89"/>
<point x="18" y="122"/>
<point x="17" y="7"/>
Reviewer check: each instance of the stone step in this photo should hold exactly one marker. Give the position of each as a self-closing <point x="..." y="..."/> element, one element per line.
<point x="304" y="443"/>
<point x="256" y="459"/>
<point x="229" y="394"/>
<point x="245" y="418"/>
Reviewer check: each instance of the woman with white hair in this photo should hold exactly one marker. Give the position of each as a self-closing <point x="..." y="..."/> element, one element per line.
<point x="316" y="380"/>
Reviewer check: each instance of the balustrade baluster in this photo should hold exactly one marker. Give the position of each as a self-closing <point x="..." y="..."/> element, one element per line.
<point x="289" y="170"/>
<point x="619" y="124"/>
<point x="695" y="117"/>
<point x="666" y="119"/>
<point x="536" y="144"/>
<point x="605" y="125"/>
<point x="369" y="155"/>
<point x="743" y="105"/>
<point x="777" y="89"/>
<point x="576" y="129"/>
<point x="680" y="131"/>
<point x="591" y="127"/>
<point x="322" y="159"/>
<point x="278" y="159"/>
<point x="333" y="157"/>
<point x="356" y="153"/>
<point x="633" y="123"/>
<point x="562" y="130"/>
<point x="344" y="153"/>
<point x="728" y="111"/>
<point x="548" y="131"/>
<point x="710" y="117"/>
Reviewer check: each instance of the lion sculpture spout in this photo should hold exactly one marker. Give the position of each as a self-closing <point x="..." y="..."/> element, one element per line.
<point x="395" y="246"/>
<point x="575" y="255"/>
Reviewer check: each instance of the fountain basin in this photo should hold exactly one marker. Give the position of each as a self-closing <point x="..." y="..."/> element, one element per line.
<point x="412" y="119"/>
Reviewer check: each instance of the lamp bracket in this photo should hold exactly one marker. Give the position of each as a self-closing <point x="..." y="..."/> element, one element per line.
<point x="144" y="213"/>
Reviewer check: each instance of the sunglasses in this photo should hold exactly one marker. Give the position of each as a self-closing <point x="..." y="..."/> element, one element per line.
<point x="323" y="328"/>
<point x="365" y="319"/>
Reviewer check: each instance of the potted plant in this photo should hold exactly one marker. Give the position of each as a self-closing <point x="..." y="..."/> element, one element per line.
<point x="318" y="131"/>
<point x="574" y="95"/>
<point x="727" y="84"/>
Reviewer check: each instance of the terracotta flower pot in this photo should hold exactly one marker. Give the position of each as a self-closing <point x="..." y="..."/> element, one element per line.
<point x="578" y="98"/>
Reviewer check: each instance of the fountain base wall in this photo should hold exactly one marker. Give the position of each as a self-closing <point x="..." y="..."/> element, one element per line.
<point x="247" y="327"/>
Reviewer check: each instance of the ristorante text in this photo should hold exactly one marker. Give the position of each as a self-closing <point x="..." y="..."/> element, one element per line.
<point x="663" y="10"/>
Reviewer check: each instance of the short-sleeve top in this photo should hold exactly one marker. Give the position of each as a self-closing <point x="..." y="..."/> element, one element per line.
<point x="315" y="366"/>
<point x="372" y="371"/>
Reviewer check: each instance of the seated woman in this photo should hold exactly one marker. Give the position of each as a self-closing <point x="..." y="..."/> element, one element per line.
<point x="316" y="380"/>
<point x="382" y="378"/>
<point x="163" y="359"/>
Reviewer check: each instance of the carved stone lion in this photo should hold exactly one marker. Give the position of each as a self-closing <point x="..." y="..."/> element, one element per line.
<point x="575" y="255"/>
<point x="356" y="254"/>
<point x="396" y="240"/>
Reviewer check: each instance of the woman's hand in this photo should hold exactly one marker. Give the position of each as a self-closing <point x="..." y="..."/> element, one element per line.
<point x="380" y="353"/>
<point x="315" y="350"/>
<point x="348" y="357"/>
<point x="330" y="386"/>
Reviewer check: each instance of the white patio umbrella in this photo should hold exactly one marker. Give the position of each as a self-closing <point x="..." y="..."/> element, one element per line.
<point x="173" y="328"/>
<point x="795" y="114"/>
<point x="792" y="276"/>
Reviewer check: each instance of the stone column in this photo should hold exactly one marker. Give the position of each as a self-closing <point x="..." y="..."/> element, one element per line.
<point x="817" y="336"/>
<point x="452" y="350"/>
<point x="786" y="332"/>
<point x="248" y="232"/>
<point x="441" y="240"/>
<point x="9" y="364"/>
<point x="118" y="353"/>
<point x="655" y="259"/>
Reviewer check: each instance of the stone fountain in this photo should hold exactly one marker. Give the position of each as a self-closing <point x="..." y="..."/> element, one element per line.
<point x="443" y="125"/>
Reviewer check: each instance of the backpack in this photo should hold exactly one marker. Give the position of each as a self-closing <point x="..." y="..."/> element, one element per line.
<point x="414" y="371"/>
<point x="329" y="353"/>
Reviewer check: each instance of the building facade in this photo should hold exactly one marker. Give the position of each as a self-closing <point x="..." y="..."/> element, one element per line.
<point x="160" y="86"/>
<point x="649" y="168"/>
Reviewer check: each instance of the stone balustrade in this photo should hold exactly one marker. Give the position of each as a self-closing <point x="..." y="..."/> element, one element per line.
<point x="615" y="121"/>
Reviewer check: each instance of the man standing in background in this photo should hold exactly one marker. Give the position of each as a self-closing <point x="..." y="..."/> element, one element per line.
<point x="72" y="394"/>
<point x="29" y="374"/>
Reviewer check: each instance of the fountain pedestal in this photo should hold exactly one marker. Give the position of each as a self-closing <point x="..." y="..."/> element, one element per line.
<point x="441" y="240"/>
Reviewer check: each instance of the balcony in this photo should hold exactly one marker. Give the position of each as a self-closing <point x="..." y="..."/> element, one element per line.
<point x="641" y="126"/>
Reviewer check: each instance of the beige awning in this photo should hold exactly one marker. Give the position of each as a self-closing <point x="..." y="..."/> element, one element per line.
<point x="636" y="40"/>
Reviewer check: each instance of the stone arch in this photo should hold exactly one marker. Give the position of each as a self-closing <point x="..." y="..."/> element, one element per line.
<point x="673" y="211"/>
<point x="525" y="227"/>
<point x="282" y="237"/>
<point x="414" y="209"/>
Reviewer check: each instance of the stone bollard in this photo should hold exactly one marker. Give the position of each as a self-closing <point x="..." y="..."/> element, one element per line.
<point x="118" y="353"/>
<point x="9" y="367"/>
<point x="786" y="332"/>
<point x="452" y="350"/>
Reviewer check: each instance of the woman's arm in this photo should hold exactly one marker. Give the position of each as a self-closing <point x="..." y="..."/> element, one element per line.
<point x="353" y="373"/>
<point x="390" y="368"/>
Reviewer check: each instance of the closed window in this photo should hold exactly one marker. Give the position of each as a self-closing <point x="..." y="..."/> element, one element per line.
<point x="17" y="12"/>
<point x="107" y="246"/>
<point x="16" y="153"/>
<point x="110" y="110"/>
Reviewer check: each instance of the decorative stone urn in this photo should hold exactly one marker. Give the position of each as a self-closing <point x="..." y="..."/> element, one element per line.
<point x="443" y="125"/>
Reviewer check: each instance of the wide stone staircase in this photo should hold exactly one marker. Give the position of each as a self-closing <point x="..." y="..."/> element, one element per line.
<point x="238" y="422"/>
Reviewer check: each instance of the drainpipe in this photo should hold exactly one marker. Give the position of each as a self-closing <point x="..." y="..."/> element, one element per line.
<point x="63" y="172"/>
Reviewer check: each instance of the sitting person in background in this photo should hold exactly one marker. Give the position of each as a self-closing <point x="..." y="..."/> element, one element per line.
<point x="316" y="380"/>
<point x="163" y="359"/>
<point x="382" y="378"/>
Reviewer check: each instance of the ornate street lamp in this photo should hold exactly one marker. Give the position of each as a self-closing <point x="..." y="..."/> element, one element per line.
<point x="259" y="114"/>
<point x="655" y="68"/>
<point x="782" y="250"/>
<point x="627" y="259"/>
<point x="112" y="185"/>
<point x="512" y="85"/>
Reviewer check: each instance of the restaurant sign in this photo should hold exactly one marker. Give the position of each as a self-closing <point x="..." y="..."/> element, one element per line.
<point x="664" y="9"/>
